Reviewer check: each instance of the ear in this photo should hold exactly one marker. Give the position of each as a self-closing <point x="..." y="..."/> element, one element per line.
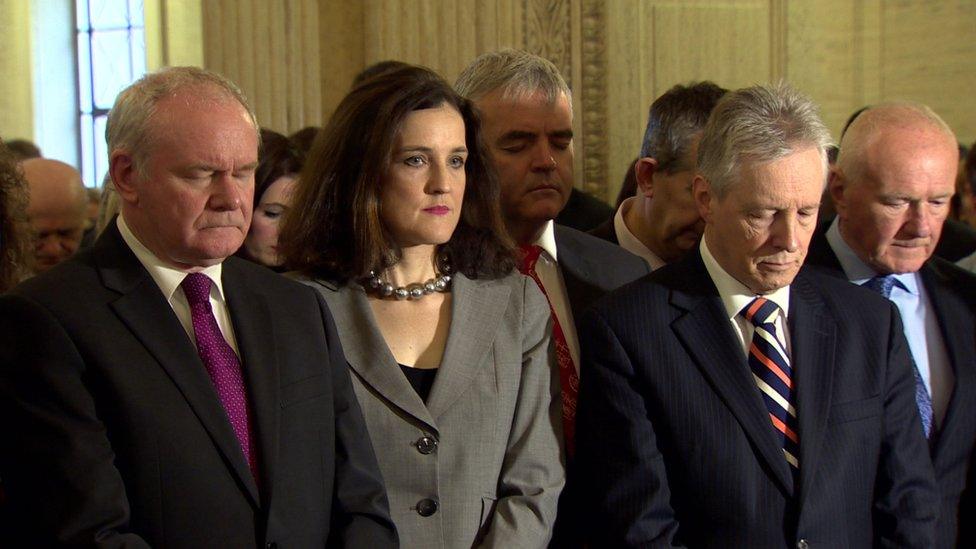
<point x="124" y="174"/>
<point x="701" y="191"/>
<point x="644" y="172"/>
<point x="836" y="183"/>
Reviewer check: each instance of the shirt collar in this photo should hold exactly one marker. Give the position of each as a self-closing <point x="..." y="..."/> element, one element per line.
<point x="547" y="240"/>
<point x="856" y="270"/>
<point x="627" y="239"/>
<point x="735" y="296"/>
<point x="166" y="277"/>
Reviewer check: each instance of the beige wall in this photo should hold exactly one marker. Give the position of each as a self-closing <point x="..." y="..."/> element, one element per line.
<point x="296" y="58"/>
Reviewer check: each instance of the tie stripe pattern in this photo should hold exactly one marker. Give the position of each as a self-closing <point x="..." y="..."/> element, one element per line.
<point x="771" y="369"/>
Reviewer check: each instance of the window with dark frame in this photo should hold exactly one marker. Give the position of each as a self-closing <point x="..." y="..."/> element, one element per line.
<point x="111" y="55"/>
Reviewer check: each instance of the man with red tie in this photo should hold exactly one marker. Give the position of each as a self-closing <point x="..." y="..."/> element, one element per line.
<point x="733" y="399"/>
<point x="155" y="391"/>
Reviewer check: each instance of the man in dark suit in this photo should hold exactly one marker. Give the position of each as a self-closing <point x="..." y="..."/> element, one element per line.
<point x="733" y="399"/>
<point x="155" y="391"/>
<point x="892" y="185"/>
<point x="661" y="222"/>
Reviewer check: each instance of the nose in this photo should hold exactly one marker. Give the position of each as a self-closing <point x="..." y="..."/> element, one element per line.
<point x="226" y="192"/>
<point x="439" y="180"/>
<point x="543" y="159"/>
<point x="49" y="246"/>
<point x="919" y="221"/>
<point x="784" y="232"/>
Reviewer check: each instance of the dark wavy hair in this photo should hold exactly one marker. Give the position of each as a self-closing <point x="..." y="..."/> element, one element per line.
<point x="15" y="234"/>
<point x="278" y="156"/>
<point x="334" y="228"/>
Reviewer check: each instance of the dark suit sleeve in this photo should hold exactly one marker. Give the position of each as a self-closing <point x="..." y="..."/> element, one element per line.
<point x="624" y="489"/>
<point x="360" y="511"/>
<point x="906" y="494"/>
<point x="56" y="461"/>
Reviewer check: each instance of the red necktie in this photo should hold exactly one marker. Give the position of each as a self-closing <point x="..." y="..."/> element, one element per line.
<point x="568" y="377"/>
<point x="222" y="364"/>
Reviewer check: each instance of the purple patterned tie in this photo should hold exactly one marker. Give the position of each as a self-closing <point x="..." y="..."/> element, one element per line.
<point x="221" y="362"/>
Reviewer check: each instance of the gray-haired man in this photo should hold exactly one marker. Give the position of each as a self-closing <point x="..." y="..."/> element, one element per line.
<point x="734" y="399"/>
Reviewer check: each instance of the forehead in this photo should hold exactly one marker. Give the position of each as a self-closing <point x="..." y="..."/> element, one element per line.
<point x="206" y="124"/>
<point x="795" y="180"/>
<point x="907" y="160"/>
<point x="441" y="122"/>
<point x="533" y="111"/>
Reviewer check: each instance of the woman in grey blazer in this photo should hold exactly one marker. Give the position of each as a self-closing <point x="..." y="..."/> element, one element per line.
<point x="396" y="221"/>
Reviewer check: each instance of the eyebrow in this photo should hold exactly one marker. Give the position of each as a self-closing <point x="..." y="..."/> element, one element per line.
<point x="428" y="150"/>
<point x="516" y="135"/>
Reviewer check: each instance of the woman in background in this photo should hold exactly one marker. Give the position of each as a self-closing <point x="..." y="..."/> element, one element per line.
<point x="279" y="161"/>
<point x="15" y="234"/>
<point x="397" y="224"/>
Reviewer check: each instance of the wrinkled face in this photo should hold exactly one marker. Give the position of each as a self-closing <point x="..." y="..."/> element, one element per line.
<point x="423" y="186"/>
<point x="261" y="244"/>
<point x="193" y="207"/>
<point x="531" y="145"/>
<point x="58" y="229"/>
<point x="892" y="215"/>
<point x="760" y="229"/>
<point x="672" y="214"/>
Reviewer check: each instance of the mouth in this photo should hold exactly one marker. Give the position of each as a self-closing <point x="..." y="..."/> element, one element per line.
<point x="437" y="210"/>
<point x="777" y="266"/>
<point x="545" y="187"/>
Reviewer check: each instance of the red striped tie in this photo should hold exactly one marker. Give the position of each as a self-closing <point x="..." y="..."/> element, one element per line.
<point x="770" y="366"/>
<point x="568" y="377"/>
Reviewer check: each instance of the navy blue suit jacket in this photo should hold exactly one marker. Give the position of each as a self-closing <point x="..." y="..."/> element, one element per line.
<point x="952" y="291"/>
<point x="675" y="446"/>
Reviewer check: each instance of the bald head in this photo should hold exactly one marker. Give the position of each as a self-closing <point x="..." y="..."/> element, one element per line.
<point x="894" y="178"/>
<point x="56" y="209"/>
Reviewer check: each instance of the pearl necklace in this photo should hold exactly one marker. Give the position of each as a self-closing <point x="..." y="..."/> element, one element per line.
<point x="411" y="291"/>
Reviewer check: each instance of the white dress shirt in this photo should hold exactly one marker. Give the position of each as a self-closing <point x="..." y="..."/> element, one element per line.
<point x="628" y="241"/>
<point x="918" y="317"/>
<point x="169" y="278"/>
<point x="735" y="297"/>
<point x="552" y="279"/>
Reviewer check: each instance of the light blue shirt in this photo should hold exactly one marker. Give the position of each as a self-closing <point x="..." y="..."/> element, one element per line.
<point x="918" y="316"/>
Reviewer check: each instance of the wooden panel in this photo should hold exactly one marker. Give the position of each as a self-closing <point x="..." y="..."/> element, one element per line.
<point x="16" y="102"/>
<point x="943" y="77"/>
<point x="727" y="42"/>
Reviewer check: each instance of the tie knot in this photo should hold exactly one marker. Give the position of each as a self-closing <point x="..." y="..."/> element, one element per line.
<point x="530" y="255"/>
<point x="882" y="284"/>
<point x="196" y="287"/>
<point x="761" y="311"/>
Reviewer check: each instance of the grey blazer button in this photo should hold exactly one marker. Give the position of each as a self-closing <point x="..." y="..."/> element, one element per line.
<point x="426" y="445"/>
<point x="427" y="507"/>
<point x="802" y="544"/>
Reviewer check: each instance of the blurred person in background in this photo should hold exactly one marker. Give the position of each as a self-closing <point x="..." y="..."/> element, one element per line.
<point x="15" y="256"/>
<point x="279" y="161"/>
<point x="56" y="210"/>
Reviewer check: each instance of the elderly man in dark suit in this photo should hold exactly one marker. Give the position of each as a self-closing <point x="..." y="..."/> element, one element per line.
<point x="155" y="391"/>
<point x="733" y="399"/>
<point x="892" y="184"/>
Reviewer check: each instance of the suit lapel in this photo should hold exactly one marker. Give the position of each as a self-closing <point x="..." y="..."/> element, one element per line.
<point x="706" y="334"/>
<point x="370" y="357"/>
<point x="146" y="313"/>
<point x="476" y="312"/>
<point x="956" y="324"/>
<point x="256" y="341"/>
<point x="576" y="269"/>
<point x="812" y="338"/>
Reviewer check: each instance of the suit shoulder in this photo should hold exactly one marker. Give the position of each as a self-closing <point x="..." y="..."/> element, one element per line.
<point x="596" y="249"/>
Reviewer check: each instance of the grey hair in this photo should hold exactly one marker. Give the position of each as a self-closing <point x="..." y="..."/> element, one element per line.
<point x="758" y="124"/>
<point x="674" y="119"/>
<point x="517" y="73"/>
<point x="128" y="122"/>
<point x="871" y="122"/>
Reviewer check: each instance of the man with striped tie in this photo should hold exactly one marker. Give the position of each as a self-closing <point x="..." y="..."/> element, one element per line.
<point x="734" y="399"/>
<point x="892" y="184"/>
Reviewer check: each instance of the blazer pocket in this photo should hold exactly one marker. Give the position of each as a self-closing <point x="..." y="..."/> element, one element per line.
<point x="303" y="390"/>
<point x="855" y="409"/>
<point x="487" y="513"/>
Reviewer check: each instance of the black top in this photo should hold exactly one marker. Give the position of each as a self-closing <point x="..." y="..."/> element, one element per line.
<point x="421" y="379"/>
